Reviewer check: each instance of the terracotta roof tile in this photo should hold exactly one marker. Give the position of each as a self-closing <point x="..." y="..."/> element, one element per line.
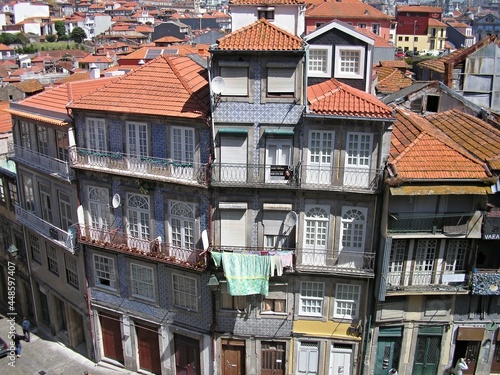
<point x="477" y="136"/>
<point x="4" y="47"/>
<point x="266" y="2"/>
<point x="379" y="41"/>
<point x="260" y="36"/>
<point x="29" y="86"/>
<point x="338" y="99"/>
<point x="420" y="151"/>
<point x="434" y="22"/>
<point x="5" y="118"/>
<point x="340" y="10"/>
<point x="419" y="9"/>
<point x="438" y="64"/>
<point x="391" y="80"/>
<point x="394" y="64"/>
<point x="166" y="86"/>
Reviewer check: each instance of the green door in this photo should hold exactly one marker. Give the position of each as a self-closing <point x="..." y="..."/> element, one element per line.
<point x="388" y="349"/>
<point x="427" y="355"/>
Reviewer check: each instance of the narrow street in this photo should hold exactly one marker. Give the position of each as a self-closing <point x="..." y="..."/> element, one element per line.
<point x="44" y="356"/>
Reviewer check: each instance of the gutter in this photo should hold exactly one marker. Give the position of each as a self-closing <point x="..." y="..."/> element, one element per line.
<point x="377" y="119"/>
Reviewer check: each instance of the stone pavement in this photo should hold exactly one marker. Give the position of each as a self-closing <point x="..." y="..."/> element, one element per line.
<point x="44" y="356"/>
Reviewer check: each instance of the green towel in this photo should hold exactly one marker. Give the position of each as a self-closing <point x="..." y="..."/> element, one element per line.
<point x="246" y="274"/>
<point x="216" y="257"/>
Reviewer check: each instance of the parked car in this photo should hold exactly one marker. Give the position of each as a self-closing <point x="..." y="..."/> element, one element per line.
<point x="4" y="347"/>
<point x="399" y="53"/>
<point x="410" y="53"/>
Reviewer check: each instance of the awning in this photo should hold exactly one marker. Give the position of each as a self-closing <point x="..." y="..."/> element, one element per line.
<point x="441" y="190"/>
<point x="470" y="334"/>
<point x="279" y="131"/>
<point x="233" y="131"/>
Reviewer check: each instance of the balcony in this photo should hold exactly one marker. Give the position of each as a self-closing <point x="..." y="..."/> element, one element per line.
<point x="426" y="281"/>
<point x="46" y="164"/>
<point x="52" y="233"/>
<point x="431" y="223"/>
<point x="353" y="263"/>
<point x="151" y="168"/>
<point x="296" y="176"/>
<point x="485" y="282"/>
<point x="126" y="243"/>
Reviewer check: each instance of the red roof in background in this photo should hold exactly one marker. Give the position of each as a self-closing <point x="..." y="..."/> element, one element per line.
<point x="260" y="36"/>
<point x="4" y="47"/>
<point x="338" y="99"/>
<point x="266" y="2"/>
<point x="392" y="79"/>
<point x="419" y="9"/>
<point x="341" y="10"/>
<point x="433" y="22"/>
<point x="379" y="41"/>
<point x="166" y="86"/>
<point x="5" y="118"/>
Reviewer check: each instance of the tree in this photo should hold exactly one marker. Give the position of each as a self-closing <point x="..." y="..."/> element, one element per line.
<point x="78" y="35"/>
<point x="60" y="29"/>
<point x="50" y="38"/>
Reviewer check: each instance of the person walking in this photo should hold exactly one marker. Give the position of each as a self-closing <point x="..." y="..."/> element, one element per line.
<point x="460" y="366"/>
<point x="17" y="343"/>
<point x="26" y="325"/>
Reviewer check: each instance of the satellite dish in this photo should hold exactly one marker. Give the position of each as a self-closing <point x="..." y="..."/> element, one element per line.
<point x="290" y="219"/>
<point x="204" y="239"/>
<point x="116" y="201"/>
<point x="218" y="85"/>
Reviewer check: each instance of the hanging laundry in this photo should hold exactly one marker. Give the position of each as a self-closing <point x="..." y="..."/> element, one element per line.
<point x="246" y="273"/>
<point x="217" y="258"/>
<point x="276" y="265"/>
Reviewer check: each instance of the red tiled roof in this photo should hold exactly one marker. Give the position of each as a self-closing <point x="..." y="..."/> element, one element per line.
<point x="266" y="2"/>
<point x="394" y="64"/>
<point x="433" y="22"/>
<point x="95" y="59"/>
<point x="338" y="99"/>
<point x="166" y="86"/>
<point x="391" y="80"/>
<point x="420" y="151"/>
<point x="4" y="47"/>
<point x="260" y="36"/>
<point x="379" y="41"/>
<point x="29" y="86"/>
<point x="475" y="135"/>
<point x="340" y="10"/>
<point x="5" y="118"/>
<point x="438" y="64"/>
<point x="167" y="39"/>
<point x="419" y="9"/>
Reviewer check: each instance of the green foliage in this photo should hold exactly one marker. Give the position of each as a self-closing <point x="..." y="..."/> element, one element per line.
<point x="60" y="29"/>
<point x="50" y="38"/>
<point x="78" y="35"/>
<point x="19" y="38"/>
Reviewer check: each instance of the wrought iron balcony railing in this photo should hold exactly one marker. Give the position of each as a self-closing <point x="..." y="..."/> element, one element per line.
<point x="139" y="166"/>
<point x="449" y="223"/>
<point x="46" y="164"/>
<point x="422" y="281"/>
<point x="54" y="234"/>
<point x="296" y="176"/>
<point x="127" y="243"/>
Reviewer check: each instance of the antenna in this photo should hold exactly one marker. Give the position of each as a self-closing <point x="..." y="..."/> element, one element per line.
<point x="116" y="201"/>
<point x="218" y="85"/>
<point x="290" y="219"/>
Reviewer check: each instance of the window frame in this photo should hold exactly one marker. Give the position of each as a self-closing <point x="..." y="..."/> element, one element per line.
<point x="281" y="86"/>
<point x="190" y="299"/>
<point x="351" y="304"/>
<point x="35" y="248"/>
<point x="111" y="277"/>
<point x="95" y="134"/>
<point x="339" y="73"/>
<point x="236" y="79"/>
<point x="52" y="261"/>
<point x="316" y="287"/>
<point x="327" y="61"/>
<point x="71" y="268"/>
<point x="137" y="139"/>
<point x="353" y="230"/>
<point x="179" y="233"/>
<point x="136" y="284"/>
<point x="277" y="292"/>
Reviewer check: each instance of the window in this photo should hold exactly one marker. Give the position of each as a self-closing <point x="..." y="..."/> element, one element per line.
<point x="12" y="194"/>
<point x="98" y="199"/>
<point x="424" y="262"/>
<point x="353" y="228"/>
<point x="320" y="61"/>
<point x="233" y="225"/>
<point x="52" y="260"/>
<point x="358" y="160"/>
<point x="320" y="157"/>
<point x="43" y="140"/>
<point x="25" y="135"/>
<point x="137" y="139"/>
<point x="35" y="248"/>
<point x="362" y="25"/>
<point x="45" y="203"/>
<point x="235" y="80"/>
<point x="346" y="301"/>
<point x="407" y="38"/>
<point x="142" y="281"/>
<point x="29" y="195"/>
<point x="182" y="219"/>
<point x="316" y="236"/>
<point x="71" y="271"/>
<point x="433" y="103"/>
<point x="104" y="272"/>
<point x="319" y="24"/>
<point x="376" y="28"/>
<point x="275" y="301"/>
<point x="138" y="215"/>
<point x="183" y="145"/>
<point x="455" y="256"/>
<point x="400" y="38"/>
<point x="62" y="145"/>
<point x="234" y="303"/>
<point x="416" y="39"/>
<point x="185" y="292"/>
<point x="267" y="13"/>
<point x="396" y="262"/>
<point x="95" y="134"/>
<point x="278" y="159"/>
<point x="349" y="62"/>
<point x="280" y="81"/>
<point x="311" y="298"/>
<point x="2" y="192"/>
<point x="65" y="210"/>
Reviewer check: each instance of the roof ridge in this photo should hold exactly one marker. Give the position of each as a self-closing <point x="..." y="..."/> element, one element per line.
<point x="408" y="148"/>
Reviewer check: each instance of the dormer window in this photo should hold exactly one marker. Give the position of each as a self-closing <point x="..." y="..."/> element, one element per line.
<point x="320" y="61"/>
<point x="349" y="62"/>
<point x="266" y="12"/>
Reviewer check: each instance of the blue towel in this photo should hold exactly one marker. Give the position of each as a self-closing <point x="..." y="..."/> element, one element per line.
<point x="246" y="274"/>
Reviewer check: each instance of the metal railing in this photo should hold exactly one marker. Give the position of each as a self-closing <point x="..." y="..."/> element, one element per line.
<point x="49" y="231"/>
<point x="341" y="261"/>
<point x="125" y="242"/>
<point x="426" y="280"/>
<point x="139" y="166"/>
<point x="451" y="223"/>
<point x="295" y="176"/>
<point x="47" y="164"/>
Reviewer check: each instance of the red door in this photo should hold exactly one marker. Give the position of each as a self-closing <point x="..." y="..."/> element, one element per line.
<point x="149" y="348"/>
<point x="187" y="356"/>
<point x="111" y="337"/>
<point x="233" y="357"/>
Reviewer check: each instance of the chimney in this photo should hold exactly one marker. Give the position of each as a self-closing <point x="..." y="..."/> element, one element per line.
<point x="94" y="71"/>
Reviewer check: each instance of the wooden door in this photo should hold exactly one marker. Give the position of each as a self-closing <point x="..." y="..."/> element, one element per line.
<point x="272" y="358"/>
<point x="111" y="337"/>
<point x="233" y="358"/>
<point x="149" y="348"/>
<point x="427" y="355"/>
<point x="187" y="356"/>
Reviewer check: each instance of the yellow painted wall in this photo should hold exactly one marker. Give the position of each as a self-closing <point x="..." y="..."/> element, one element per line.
<point x="327" y="329"/>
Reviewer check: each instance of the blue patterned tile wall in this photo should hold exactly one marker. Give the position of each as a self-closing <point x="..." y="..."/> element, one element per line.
<point x="115" y="134"/>
<point x="271" y="113"/>
<point x="159" y="141"/>
<point x="205" y="145"/>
